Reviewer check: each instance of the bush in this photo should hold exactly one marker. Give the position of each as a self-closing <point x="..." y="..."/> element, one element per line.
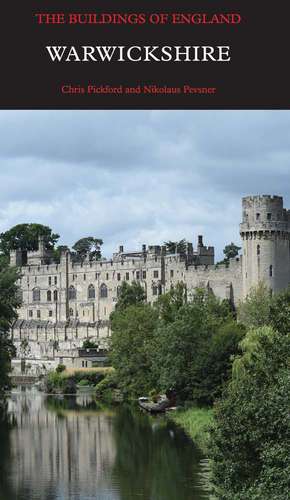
<point x="60" y="368"/>
<point x="105" y="388"/>
<point x="84" y="382"/>
<point x="92" y="377"/>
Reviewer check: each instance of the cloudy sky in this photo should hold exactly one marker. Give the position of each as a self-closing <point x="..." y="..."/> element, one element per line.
<point x="133" y="177"/>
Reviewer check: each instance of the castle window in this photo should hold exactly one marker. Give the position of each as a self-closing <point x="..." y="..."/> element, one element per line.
<point x="71" y="312"/>
<point x="258" y="249"/>
<point x="137" y="275"/>
<point x="38" y="313"/>
<point x="36" y="295"/>
<point x="107" y="276"/>
<point x="257" y="216"/>
<point x="119" y="277"/>
<point x="269" y="216"/>
<point x="55" y="295"/>
<point x="55" y="280"/>
<point x="91" y="292"/>
<point x="155" y="290"/>
<point x="155" y="274"/>
<point x="127" y="276"/>
<point x="85" y="277"/>
<point x="72" y="294"/>
<point x="35" y="279"/>
<point x="48" y="295"/>
<point x="49" y="280"/>
<point x="103" y="291"/>
<point x="50" y="314"/>
<point x="171" y="273"/>
<point x="271" y="271"/>
<point x="144" y="275"/>
<point x="30" y="313"/>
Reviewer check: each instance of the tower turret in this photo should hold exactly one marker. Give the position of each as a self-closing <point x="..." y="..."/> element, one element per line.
<point x="265" y="233"/>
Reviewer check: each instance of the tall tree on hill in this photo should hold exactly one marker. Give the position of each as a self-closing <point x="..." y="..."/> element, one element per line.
<point x="175" y="246"/>
<point x="25" y="237"/>
<point x="88" y="246"/>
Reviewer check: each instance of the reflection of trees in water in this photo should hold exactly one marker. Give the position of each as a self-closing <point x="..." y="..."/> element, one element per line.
<point x="154" y="459"/>
<point x="79" y="403"/>
<point x="5" y="457"/>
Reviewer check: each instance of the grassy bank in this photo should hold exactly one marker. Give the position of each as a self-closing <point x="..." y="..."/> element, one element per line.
<point x="195" y="422"/>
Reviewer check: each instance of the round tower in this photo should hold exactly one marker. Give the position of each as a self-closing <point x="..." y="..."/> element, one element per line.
<point x="265" y="235"/>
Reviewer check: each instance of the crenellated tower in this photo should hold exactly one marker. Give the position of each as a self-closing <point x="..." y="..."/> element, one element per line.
<point x="265" y="233"/>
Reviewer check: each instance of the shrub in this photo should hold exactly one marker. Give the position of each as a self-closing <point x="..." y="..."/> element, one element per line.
<point x="84" y="382"/>
<point x="60" y="368"/>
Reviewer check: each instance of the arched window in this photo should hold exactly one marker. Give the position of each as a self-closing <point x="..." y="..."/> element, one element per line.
<point x="72" y="293"/>
<point x="91" y="292"/>
<point x="48" y="296"/>
<point x="36" y="295"/>
<point x="71" y="312"/>
<point x="258" y="249"/>
<point x="55" y="295"/>
<point x="155" y="290"/>
<point x="103" y="291"/>
<point x="271" y="271"/>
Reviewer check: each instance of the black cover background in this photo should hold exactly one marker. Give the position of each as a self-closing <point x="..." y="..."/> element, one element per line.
<point x="257" y="77"/>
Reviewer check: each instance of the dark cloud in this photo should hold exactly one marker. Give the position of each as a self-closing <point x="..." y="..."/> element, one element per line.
<point x="138" y="177"/>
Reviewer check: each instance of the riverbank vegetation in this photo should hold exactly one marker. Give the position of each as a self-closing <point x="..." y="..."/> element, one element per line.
<point x="67" y="381"/>
<point x="196" y="422"/>
<point x="231" y="366"/>
<point x="9" y="301"/>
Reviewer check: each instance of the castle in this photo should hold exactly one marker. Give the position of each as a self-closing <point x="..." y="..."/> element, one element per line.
<point x="66" y="303"/>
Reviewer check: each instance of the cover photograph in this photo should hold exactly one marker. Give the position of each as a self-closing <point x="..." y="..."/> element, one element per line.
<point x="144" y="250"/>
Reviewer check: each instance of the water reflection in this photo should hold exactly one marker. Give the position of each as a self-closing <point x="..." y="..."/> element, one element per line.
<point x="73" y="449"/>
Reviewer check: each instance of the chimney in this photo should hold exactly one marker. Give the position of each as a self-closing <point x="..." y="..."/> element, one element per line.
<point x="143" y="248"/>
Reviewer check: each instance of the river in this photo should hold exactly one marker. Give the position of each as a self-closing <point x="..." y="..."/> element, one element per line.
<point x="71" y="448"/>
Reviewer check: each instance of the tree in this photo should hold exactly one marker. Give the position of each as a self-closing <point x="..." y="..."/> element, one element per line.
<point x="169" y="303"/>
<point x="25" y="237"/>
<point x="130" y="295"/>
<point x="279" y="312"/>
<point x="230" y="252"/>
<point x="175" y="246"/>
<point x="9" y="301"/>
<point x="185" y="346"/>
<point x="88" y="246"/>
<point x="254" y="311"/>
<point x="131" y="348"/>
<point x="250" y="441"/>
<point x="58" y="251"/>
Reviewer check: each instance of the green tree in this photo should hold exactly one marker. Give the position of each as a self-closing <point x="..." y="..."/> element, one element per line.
<point x="254" y="311"/>
<point x="279" y="312"/>
<point x="130" y="295"/>
<point x="25" y="237"/>
<point x="186" y="346"/>
<point x="230" y="251"/>
<point x="169" y="303"/>
<point x="250" y="441"/>
<point x="175" y="246"/>
<point x="88" y="246"/>
<point x="58" y="251"/>
<point x="131" y="348"/>
<point x="9" y="301"/>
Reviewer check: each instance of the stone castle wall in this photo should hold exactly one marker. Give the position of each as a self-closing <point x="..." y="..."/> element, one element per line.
<point x="66" y="303"/>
